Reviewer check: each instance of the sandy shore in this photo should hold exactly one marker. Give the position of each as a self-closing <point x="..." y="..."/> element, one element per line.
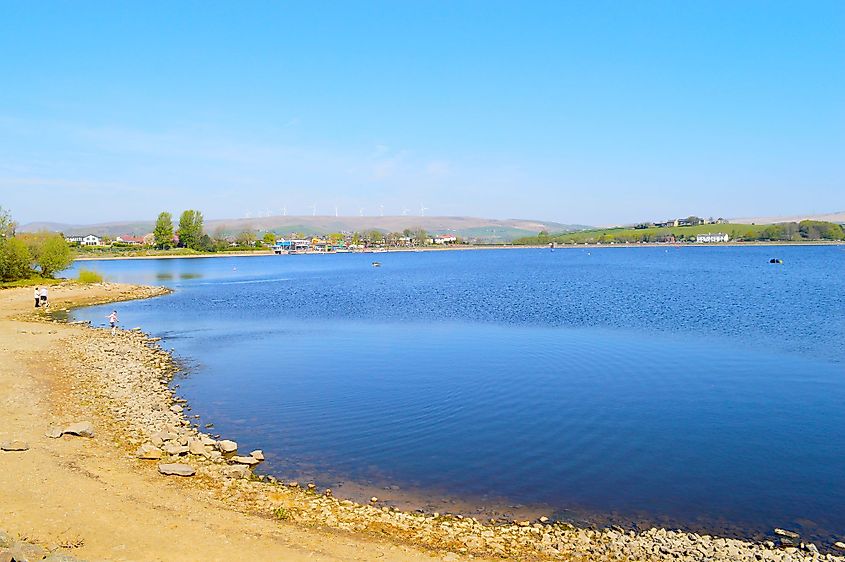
<point x="95" y="499"/>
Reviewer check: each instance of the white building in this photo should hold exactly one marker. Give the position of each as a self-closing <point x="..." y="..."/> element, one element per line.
<point x="445" y="239"/>
<point x="89" y="240"/>
<point x="709" y="238"/>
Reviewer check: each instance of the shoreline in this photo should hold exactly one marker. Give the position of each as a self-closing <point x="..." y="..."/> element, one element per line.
<point x="140" y="406"/>
<point x="459" y="248"/>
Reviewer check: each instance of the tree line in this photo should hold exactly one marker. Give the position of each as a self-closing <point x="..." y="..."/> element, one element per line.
<point x="27" y="255"/>
<point x="190" y="234"/>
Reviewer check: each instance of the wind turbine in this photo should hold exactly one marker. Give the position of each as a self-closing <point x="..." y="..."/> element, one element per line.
<point x="284" y="211"/>
<point x="314" y="210"/>
<point x="335" y="211"/>
<point x="382" y="209"/>
<point x="361" y="212"/>
<point x="405" y="211"/>
<point x="423" y="210"/>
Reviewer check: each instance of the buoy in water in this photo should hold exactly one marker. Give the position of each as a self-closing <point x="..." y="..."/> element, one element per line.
<point x="775" y="260"/>
<point x="376" y="264"/>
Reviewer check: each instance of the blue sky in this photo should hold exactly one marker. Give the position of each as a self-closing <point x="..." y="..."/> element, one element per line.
<point x="579" y="112"/>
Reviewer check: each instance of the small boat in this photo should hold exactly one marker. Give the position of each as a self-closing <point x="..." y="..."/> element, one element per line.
<point x="775" y="260"/>
<point x="376" y="264"/>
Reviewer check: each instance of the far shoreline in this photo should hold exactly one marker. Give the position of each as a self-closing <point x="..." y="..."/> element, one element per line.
<point x="476" y="247"/>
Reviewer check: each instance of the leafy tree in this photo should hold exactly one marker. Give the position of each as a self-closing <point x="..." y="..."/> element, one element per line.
<point x="820" y="230"/>
<point x="269" y="238"/>
<point x="7" y="225"/>
<point x="15" y="260"/>
<point x="335" y="237"/>
<point x="245" y="238"/>
<point x="163" y="231"/>
<point x="376" y="236"/>
<point x="356" y="239"/>
<point x="190" y="229"/>
<point x="420" y="236"/>
<point x="49" y="251"/>
<point x="206" y="244"/>
<point x="392" y="238"/>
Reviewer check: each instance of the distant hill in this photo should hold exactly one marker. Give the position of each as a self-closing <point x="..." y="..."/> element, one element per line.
<point x="838" y="217"/>
<point x="470" y="228"/>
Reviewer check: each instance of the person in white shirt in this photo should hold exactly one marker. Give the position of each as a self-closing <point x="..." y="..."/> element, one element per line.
<point x="113" y="321"/>
<point x="44" y="297"/>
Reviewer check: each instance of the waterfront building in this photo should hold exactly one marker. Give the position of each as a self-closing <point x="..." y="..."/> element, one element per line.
<point x="709" y="238"/>
<point x="89" y="240"/>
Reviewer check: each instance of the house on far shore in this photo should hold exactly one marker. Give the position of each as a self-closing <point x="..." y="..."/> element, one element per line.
<point x="89" y="240"/>
<point x="445" y="239"/>
<point x="708" y="238"/>
<point x="131" y="240"/>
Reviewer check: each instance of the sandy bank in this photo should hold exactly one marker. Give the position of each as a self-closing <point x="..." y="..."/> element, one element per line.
<point x="97" y="496"/>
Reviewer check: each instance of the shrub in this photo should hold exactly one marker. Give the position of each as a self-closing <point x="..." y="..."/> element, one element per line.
<point x="15" y="260"/>
<point x="49" y="251"/>
<point x="88" y="276"/>
<point x="282" y="514"/>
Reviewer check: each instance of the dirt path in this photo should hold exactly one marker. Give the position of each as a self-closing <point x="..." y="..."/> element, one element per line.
<point x="90" y="500"/>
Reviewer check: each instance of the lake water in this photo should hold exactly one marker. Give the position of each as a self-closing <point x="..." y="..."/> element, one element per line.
<point x="700" y="388"/>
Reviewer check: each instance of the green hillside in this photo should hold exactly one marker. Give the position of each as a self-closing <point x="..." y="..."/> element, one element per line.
<point x="790" y="231"/>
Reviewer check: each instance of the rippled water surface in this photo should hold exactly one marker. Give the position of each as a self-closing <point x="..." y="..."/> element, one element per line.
<point x="697" y="387"/>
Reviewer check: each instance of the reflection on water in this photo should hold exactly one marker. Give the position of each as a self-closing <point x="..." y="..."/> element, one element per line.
<point x="169" y="276"/>
<point x="696" y="387"/>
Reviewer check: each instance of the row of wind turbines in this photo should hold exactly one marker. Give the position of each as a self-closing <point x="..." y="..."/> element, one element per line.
<point x="361" y="213"/>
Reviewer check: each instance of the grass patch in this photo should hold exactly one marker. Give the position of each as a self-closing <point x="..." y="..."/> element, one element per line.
<point x="281" y="513"/>
<point x="88" y="276"/>
<point x="29" y="282"/>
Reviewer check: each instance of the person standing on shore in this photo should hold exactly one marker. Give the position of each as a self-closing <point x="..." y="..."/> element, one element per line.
<point x="37" y="297"/>
<point x="113" y="321"/>
<point x="44" y="297"/>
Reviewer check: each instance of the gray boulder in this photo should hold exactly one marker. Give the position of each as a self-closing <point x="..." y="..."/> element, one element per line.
<point x="173" y="448"/>
<point x="25" y="552"/>
<point x="176" y="469"/>
<point x="14" y="446"/>
<point x="236" y="471"/>
<point x="59" y="557"/>
<point x="149" y="452"/>
<point x="80" y="429"/>
<point x="54" y="432"/>
<point x="227" y="447"/>
<point x="196" y="447"/>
